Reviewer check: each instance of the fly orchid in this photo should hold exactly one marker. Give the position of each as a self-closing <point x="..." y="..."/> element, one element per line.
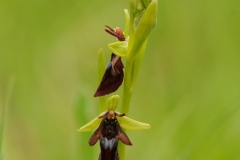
<point x="113" y="76"/>
<point x="124" y="121"/>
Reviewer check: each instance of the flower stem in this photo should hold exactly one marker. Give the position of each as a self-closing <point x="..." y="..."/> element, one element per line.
<point x="127" y="94"/>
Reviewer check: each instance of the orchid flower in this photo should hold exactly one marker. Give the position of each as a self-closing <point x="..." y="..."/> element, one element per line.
<point x="124" y="121"/>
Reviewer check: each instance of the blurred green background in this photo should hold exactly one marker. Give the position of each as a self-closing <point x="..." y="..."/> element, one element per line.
<point x="188" y="87"/>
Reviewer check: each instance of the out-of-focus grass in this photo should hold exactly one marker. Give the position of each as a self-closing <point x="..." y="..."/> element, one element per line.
<point x="188" y="87"/>
<point x="4" y="114"/>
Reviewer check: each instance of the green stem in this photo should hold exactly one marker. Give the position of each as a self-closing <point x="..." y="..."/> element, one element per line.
<point x="127" y="93"/>
<point x="121" y="150"/>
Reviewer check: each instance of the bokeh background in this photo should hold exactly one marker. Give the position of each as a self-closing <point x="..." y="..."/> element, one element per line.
<point x="188" y="87"/>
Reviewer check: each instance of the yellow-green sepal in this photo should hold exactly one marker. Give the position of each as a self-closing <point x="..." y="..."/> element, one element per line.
<point x="130" y="124"/>
<point x="119" y="48"/>
<point x="92" y="124"/>
<point x="112" y="102"/>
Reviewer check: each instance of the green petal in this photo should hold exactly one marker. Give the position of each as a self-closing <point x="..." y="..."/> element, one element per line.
<point x="112" y="102"/>
<point x="119" y="48"/>
<point x="130" y="124"/>
<point x="91" y="125"/>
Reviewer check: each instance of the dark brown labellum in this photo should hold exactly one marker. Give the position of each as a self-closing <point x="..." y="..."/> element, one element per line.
<point x="112" y="78"/>
<point x="108" y="133"/>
